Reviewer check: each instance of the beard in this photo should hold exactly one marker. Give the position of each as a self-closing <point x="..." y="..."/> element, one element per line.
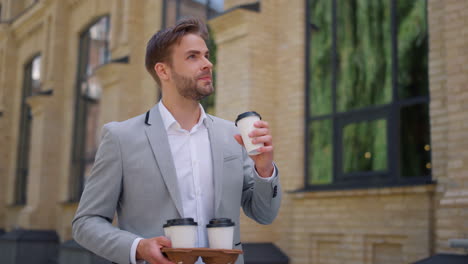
<point x="189" y="87"/>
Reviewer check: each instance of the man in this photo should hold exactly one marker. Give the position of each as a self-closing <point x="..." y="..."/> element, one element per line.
<point x="175" y="161"/>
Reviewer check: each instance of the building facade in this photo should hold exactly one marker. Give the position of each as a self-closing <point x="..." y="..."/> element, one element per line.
<point x="367" y="101"/>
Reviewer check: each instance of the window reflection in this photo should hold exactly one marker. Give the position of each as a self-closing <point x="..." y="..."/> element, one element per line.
<point x="35" y="75"/>
<point x="98" y="36"/>
<point x="320" y="152"/>
<point x="365" y="146"/>
<point x="321" y="73"/>
<point x="193" y="8"/>
<point x="203" y="9"/>
<point x="364" y="61"/>
<point x="367" y="60"/>
<point x="415" y="149"/>
<point x="412" y="43"/>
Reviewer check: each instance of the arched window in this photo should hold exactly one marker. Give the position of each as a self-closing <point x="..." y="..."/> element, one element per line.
<point x="93" y="52"/>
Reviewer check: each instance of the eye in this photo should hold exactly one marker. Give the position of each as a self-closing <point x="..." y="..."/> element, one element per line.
<point x="191" y="56"/>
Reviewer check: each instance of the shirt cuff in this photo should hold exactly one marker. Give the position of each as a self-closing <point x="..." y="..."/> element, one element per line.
<point x="268" y="179"/>
<point x="133" y="252"/>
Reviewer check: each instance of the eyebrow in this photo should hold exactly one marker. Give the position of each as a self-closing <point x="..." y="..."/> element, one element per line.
<point x="196" y="52"/>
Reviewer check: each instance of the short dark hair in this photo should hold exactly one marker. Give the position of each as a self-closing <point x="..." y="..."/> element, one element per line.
<point x="159" y="47"/>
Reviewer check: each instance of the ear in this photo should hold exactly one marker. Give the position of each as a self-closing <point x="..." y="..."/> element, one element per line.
<point x="162" y="70"/>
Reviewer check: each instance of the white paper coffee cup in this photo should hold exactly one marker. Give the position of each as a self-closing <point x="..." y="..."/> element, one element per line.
<point x="245" y="123"/>
<point x="167" y="230"/>
<point x="182" y="232"/>
<point x="220" y="233"/>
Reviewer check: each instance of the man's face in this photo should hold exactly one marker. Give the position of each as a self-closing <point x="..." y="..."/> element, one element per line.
<point x="191" y="68"/>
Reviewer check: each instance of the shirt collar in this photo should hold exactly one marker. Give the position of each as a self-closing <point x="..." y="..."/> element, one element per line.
<point x="170" y="122"/>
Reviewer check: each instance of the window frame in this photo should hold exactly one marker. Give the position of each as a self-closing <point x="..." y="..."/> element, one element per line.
<point x="78" y="159"/>
<point x="390" y="112"/>
<point x="25" y="133"/>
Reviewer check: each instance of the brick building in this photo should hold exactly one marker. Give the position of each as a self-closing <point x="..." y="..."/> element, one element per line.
<point x="368" y="105"/>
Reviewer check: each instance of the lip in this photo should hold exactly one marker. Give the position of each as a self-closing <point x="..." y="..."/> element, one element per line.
<point x="205" y="78"/>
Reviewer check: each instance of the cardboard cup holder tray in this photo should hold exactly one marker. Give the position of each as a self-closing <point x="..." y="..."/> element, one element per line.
<point x="209" y="256"/>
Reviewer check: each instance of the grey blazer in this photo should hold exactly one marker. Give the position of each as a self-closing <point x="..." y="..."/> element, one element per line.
<point x="134" y="175"/>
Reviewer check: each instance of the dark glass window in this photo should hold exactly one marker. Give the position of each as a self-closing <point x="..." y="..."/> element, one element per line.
<point x="31" y="85"/>
<point x="204" y="10"/>
<point x="367" y="93"/>
<point x="93" y="52"/>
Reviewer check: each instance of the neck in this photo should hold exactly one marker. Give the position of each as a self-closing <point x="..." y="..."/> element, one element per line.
<point x="185" y="111"/>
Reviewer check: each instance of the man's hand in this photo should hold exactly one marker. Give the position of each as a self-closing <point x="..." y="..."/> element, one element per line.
<point x="150" y="250"/>
<point x="264" y="160"/>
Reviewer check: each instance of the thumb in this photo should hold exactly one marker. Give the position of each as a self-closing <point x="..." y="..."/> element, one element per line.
<point x="164" y="241"/>
<point x="239" y="140"/>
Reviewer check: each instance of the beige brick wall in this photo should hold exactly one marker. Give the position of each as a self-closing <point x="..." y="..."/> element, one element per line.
<point x="448" y="25"/>
<point x="248" y="58"/>
<point x="361" y="226"/>
<point x="289" y="114"/>
<point x="260" y="67"/>
<point x="52" y="28"/>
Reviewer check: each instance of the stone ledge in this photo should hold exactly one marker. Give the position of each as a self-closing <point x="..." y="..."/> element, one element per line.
<point x="419" y="189"/>
<point x="37" y="102"/>
<point x="111" y="73"/>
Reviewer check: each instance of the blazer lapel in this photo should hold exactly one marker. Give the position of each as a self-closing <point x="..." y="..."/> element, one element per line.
<point x="157" y="137"/>
<point x="217" y="155"/>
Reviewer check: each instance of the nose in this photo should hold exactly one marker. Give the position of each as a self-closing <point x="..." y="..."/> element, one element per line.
<point x="207" y="65"/>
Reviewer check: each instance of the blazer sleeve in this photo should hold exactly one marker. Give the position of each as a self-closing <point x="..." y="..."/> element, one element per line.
<point x="92" y="225"/>
<point x="261" y="199"/>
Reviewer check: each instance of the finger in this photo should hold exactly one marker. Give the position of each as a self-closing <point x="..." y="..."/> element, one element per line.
<point x="259" y="132"/>
<point x="239" y="140"/>
<point x="267" y="140"/>
<point x="164" y="241"/>
<point x="265" y="149"/>
<point x="160" y="259"/>
<point x="261" y="124"/>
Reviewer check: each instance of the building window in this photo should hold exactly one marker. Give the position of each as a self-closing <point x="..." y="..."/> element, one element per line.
<point x="31" y="85"/>
<point x="204" y="10"/>
<point x="367" y="94"/>
<point x="93" y="52"/>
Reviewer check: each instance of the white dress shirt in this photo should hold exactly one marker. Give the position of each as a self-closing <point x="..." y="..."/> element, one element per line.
<point x="194" y="168"/>
<point x="191" y="153"/>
